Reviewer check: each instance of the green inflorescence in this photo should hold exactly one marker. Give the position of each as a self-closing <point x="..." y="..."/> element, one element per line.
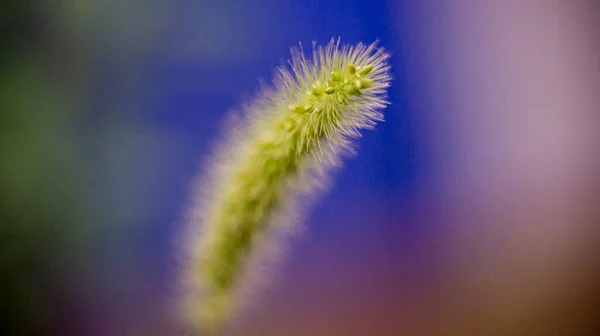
<point x="291" y="135"/>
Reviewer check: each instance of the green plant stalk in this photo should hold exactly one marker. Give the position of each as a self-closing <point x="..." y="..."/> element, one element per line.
<point x="286" y="144"/>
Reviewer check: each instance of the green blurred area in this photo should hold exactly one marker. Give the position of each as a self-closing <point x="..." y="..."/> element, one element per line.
<point x="47" y="216"/>
<point x="38" y="170"/>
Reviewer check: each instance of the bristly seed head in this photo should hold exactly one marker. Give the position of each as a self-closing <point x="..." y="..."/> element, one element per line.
<point x="288" y="142"/>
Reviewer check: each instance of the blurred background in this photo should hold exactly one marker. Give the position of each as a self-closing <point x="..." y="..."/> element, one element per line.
<point x="473" y="210"/>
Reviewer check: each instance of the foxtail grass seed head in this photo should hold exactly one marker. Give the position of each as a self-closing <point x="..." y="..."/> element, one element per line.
<point x="283" y="148"/>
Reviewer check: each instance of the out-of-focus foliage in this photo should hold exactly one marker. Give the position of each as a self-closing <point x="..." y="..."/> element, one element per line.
<point x="38" y="168"/>
<point x="46" y="189"/>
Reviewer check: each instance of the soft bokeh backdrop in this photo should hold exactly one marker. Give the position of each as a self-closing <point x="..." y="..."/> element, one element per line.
<point x="473" y="210"/>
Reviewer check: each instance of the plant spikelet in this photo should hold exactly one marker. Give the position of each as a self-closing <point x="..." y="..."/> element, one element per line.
<point x="283" y="146"/>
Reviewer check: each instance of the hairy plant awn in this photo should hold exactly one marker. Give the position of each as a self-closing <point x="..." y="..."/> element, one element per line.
<point x="282" y="148"/>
